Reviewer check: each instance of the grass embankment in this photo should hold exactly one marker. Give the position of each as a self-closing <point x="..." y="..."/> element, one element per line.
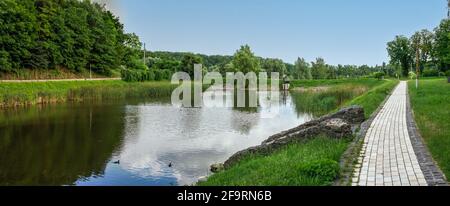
<point x="322" y="97"/>
<point x="17" y="94"/>
<point x="431" y="106"/>
<point x="372" y="99"/>
<point x="313" y="162"/>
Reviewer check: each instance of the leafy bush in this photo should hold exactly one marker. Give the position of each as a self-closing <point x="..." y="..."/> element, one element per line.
<point x="137" y="75"/>
<point x="164" y="74"/>
<point x="379" y="75"/>
<point x="324" y="169"/>
<point x="447" y="73"/>
<point x="430" y="73"/>
<point x="137" y="64"/>
<point x="412" y="75"/>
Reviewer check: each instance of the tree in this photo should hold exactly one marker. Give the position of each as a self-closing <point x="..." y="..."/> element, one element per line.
<point x="302" y="69"/>
<point x="188" y="62"/>
<point x="421" y="47"/>
<point x="274" y="65"/>
<point x="399" y="51"/>
<point x="319" y="69"/>
<point x="17" y="33"/>
<point x="42" y="34"/>
<point x="442" y="45"/>
<point x="245" y="61"/>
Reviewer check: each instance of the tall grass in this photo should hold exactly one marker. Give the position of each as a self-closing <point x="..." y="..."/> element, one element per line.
<point x="321" y="102"/>
<point x="16" y="94"/>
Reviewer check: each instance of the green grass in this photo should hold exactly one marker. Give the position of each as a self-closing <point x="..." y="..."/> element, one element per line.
<point x="322" y="102"/>
<point x="372" y="99"/>
<point x="13" y="94"/>
<point x="313" y="163"/>
<point x="431" y="106"/>
<point x="368" y="93"/>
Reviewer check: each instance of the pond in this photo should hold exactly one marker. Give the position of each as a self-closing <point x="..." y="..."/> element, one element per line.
<point x="134" y="142"/>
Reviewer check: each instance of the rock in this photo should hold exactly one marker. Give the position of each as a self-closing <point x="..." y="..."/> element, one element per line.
<point x="215" y="168"/>
<point x="202" y="179"/>
<point x="336" y="128"/>
<point x="338" y="125"/>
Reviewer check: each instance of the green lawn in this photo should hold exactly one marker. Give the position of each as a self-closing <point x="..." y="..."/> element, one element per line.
<point x="431" y="106"/>
<point x="312" y="163"/>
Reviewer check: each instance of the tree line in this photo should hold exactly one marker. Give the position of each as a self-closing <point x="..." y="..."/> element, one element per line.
<point x="81" y="35"/>
<point x="70" y="34"/>
<point x="160" y="65"/>
<point x="429" y="51"/>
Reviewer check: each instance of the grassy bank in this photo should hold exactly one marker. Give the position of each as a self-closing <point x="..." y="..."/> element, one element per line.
<point x="431" y="106"/>
<point x="16" y="94"/>
<point x="314" y="162"/>
<point x="372" y="99"/>
<point x="322" y="97"/>
<point x="369" y="82"/>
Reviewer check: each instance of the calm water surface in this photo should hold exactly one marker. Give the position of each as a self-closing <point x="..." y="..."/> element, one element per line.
<point x="129" y="143"/>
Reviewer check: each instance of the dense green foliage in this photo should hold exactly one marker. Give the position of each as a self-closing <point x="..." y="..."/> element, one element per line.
<point x="432" y="114"/>
<point x="70" y="34"/>
<point x="245" y="60"/>
<point x="310" y="163"/>
<point x="429" y="52"/>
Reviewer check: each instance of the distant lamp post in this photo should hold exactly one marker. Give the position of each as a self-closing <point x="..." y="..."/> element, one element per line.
<point x="145" y="50"/>
<point x="417" y="68"/>
<point x="448" y="7"/>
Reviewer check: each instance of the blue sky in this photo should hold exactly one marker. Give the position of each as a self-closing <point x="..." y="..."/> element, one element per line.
<point x="341" y="31"/>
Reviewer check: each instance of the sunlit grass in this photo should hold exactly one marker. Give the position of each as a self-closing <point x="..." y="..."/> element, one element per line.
<point x="314" y="163"/>
<point x="12" y="94"/>
<point x="431" y="106"/>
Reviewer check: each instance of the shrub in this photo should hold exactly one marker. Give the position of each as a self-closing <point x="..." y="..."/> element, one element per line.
<point x="379" y="75"/>
<point x="447" y="73"/>
<point x="162" y="74"/>
<point x="137" y="64"/>
<point x="430" y="73"/>
<point x="129" y="75"/>
<point x="325" y="169"/>
<point x="412" y="75"/>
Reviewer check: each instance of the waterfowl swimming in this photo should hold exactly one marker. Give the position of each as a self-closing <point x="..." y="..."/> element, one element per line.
<point x="117" y="162"/>
<point x="170" y="164"/>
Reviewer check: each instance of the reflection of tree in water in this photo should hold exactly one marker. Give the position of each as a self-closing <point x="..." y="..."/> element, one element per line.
<point x="57" y="145"/>
<point x="244" y="121"/>
<point x="244" y="118"/>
